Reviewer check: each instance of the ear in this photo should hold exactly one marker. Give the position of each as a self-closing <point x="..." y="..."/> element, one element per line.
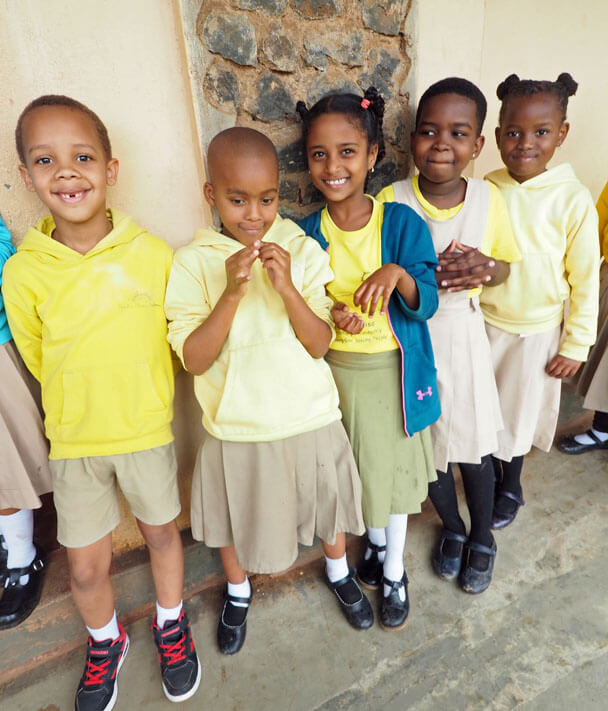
<point x="372" y="154"/>
<point x="478" y="145"/>
<point x="27" y="178"/>
<point x="563" y="132"/>
<point x="112" y="171"/>
<point x="497" y="136"/>
<point x="209" y="194"/>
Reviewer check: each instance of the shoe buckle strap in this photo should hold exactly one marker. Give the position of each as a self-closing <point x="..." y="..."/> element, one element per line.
<point x="37" y="565"/>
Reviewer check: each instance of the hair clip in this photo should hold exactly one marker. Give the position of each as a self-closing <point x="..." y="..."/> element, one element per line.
<point x="365" y="103"/>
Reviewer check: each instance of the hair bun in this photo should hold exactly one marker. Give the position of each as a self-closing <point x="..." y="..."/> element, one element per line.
<point x="302" y="109"/>
<point x="505" y="86"/>
<point x="375" y="99"/>
<point x="566" y="80"/>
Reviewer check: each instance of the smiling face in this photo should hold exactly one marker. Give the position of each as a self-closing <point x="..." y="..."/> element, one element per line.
<point x="339" y="157"/>
<point x="530" y="130"/>
<point x="245" y="191"/>
<point x="65" y="164"/>
<point x="446" y="138"/>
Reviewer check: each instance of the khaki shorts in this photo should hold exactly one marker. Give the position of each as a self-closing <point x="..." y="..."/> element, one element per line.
<point x="86" y="498"/>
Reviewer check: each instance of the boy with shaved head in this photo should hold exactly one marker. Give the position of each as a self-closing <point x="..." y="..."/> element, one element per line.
<point x="249" y="317"/>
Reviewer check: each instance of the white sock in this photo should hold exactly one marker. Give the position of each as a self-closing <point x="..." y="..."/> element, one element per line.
<point x="109" y="631"/>
<point x="336" y="568"/>
<point x="584" y="438"/>
<point x="377" y="536"/>
<point x="240" y="590"/>
<point x="395" y="545"/>
<point x="166" y="614"/>
<point x="18" y="530"/>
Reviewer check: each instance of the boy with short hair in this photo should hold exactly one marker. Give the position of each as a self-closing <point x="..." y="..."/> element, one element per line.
<point x="84" y="298"/>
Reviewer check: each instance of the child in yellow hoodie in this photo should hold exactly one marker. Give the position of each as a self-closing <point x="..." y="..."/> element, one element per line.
<point x="555" y="224"/>
<point x="84" y="299"/>
<point x="250" y="319"/>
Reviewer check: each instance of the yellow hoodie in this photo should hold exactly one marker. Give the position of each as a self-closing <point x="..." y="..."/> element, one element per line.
<point x="555" y="223"/>
<point x="602" y="211"/>
<point x="264" y="385"/>
<point x="92" y="330"/>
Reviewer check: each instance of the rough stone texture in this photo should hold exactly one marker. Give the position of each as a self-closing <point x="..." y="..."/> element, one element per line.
<point x="386" y="16"/>
<point x="257" y="59"/>
<point x="274" y="7"/>
<point x="232" y="36"/>
<point x="278" y="51"/>
<point x="317" y="9"/>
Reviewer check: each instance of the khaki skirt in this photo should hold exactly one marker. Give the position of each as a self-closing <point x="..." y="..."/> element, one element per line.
<point x="529" y="398"/>
<point x="265" y="497"/>
<point x="593" y="380"/>
<point x="470" y="408"/>
<point x="395" y="469"/>
<point x="24" y="473"/>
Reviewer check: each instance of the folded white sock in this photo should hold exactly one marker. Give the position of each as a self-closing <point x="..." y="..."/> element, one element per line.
<point x="109" y="631"/>
<point x="166" y="614"/>
<point x="240" y="590"/>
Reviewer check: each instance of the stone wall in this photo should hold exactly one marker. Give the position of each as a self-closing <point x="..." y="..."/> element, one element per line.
<point x="255" y="59"/>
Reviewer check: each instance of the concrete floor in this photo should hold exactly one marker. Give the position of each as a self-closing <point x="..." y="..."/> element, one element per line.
<point x="536" y="640"/>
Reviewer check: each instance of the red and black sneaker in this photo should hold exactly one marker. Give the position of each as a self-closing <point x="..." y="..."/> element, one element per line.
<point x="98" y="689"/>
<point x="179" y="664"/>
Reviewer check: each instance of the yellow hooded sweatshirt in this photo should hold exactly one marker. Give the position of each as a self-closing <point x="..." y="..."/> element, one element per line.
<point x="264" y="385"/>
<point x="555" y="223"/>
<point x="91" y="328"/>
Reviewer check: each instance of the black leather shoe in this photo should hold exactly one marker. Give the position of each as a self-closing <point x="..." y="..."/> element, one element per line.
<point x="232" y="627"/>
<point x="370" y="571"/>
<point x="471" y="579"/>
<point x="393" y="610"/>
<point x="354" y="604"/>
<point x="499" y="518"/>
<point x="448" y="567"/>
<point x="569" y="445"/>
<point x="19" y="601"/>
<point x="3" y="559"/>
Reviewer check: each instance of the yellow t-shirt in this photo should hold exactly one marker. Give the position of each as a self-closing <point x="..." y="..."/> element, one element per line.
<point x="353" y="257"/>
<point x="499" y="239"/>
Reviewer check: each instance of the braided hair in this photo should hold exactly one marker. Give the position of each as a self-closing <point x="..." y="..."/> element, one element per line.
<point x="561" y="89"/>
<point x="367" y="111"/>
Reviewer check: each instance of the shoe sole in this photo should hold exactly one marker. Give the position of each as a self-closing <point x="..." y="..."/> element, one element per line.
<point x="394" y="629"/>
<point x="367" y="586"/>
<point x="188" y="694"/>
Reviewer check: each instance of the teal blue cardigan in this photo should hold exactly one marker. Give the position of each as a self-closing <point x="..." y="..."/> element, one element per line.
<point x="6" y="250"/>
<point x="407" y="241"/>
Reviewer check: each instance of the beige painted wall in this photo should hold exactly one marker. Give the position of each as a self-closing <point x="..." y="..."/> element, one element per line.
<point x="485" y="40"/>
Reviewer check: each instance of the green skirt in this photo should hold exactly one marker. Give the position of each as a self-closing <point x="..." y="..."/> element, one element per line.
<point x="395" y="469"/>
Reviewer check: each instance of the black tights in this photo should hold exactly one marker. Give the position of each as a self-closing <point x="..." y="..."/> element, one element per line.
<point x="600" y="421"/>
<point x="508" y="478"/>
<point x="478" y="481"/>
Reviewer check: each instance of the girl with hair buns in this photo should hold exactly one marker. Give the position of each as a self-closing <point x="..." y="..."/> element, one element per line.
<point x="555" y="223"/>
<point x="384" y="291"/>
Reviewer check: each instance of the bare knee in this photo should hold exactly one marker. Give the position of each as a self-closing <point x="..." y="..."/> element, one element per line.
<point x="86" y="575"/>
<point x="160" y="538"/>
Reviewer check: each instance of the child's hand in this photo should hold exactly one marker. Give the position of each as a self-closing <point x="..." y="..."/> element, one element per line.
<point x="463" y="267"/>
<point x="277" y="263"/>
<point x="380" y="285"/>
<point x="345" y="319"/>
<point x="562" y="367"/>
<point x="238" y="269"/>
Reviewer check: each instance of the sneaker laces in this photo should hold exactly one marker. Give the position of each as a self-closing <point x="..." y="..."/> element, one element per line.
<point x="96" y="673"/>
<point x="174" y="652"/>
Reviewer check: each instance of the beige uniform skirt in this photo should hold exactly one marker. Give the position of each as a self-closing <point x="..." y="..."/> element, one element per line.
<point x="593" y="380"/>
<point x="265" y="497"/>
<point x="24" y="472"/>
<point x="395" y="469"/>
<point x="529" y="398"/>
<point x="470" y="408"/>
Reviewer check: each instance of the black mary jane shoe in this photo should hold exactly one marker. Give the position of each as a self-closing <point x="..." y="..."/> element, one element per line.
<point x="370" y="571"/>
<point x="3" y="559"/>
<point x="448" y="567"/>
<point x="393" y="610"/>
<point x="19" y="599"/>
<point x="472" y="580"/>
<point x="569" y="445"/>
<point x="353" y="603"/>
<point x="232" y="626"/>
<point x="499" y="518"/>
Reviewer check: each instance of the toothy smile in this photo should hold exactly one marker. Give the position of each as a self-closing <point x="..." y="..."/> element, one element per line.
<point x="337" y="181"/>
<point x="75" y="196"/>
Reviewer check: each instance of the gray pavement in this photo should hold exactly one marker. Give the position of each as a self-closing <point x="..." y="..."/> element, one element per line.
<point x="536" y="640"/>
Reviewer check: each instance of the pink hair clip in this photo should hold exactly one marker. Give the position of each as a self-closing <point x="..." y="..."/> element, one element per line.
<point x="365" y="103"/>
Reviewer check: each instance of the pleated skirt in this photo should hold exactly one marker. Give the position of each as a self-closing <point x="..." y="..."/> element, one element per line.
<point x="264" y="498"/>
<point x="529" y="398"/>
<point x="470" y="409"/>
<point x="24" y="472"/>
<point x="395" y="469"/>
